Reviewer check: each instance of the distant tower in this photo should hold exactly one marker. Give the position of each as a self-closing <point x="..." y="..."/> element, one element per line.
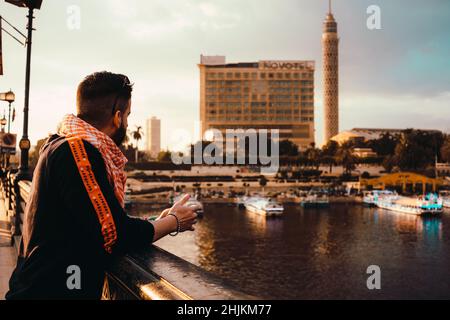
<point x="330" y="48"/>
<point x="154" y="136"/>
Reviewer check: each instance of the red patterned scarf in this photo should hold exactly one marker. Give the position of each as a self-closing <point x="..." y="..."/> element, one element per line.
<point x="114" y="159"/>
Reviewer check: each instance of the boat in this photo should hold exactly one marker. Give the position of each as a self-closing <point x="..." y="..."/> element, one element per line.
<point x="430" y="204"/>
<point x="370" y="198"/>
<point x="445" y="195"/>
<point x="240" y="201"/>
<point x="263" y="206"/>
<point x="315" y="200"/>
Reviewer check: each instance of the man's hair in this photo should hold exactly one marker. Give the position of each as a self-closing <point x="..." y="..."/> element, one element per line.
<point x="100" y="95"/>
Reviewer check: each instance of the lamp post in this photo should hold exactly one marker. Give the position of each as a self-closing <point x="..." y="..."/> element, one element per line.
<point x="24" y="143"/>
<point x="9" y="97"/>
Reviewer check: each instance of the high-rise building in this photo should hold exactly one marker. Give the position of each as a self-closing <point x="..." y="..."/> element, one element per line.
<point x="275" y="94"/>
<point x="330" y="44"/>
<point x="153" y="136"/>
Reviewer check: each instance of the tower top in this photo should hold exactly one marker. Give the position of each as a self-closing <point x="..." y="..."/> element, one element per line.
<point x="330" y="25"/>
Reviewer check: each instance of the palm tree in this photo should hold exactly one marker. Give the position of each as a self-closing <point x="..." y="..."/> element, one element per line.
<point x="263" y="183"/>
<point x="137" y="135"/>
<point x="347" y="159"/>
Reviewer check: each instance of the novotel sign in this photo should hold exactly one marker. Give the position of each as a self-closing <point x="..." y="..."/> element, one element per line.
<point x="286" y="65"/>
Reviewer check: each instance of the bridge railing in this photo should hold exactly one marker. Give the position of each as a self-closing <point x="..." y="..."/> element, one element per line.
<point x="150" y="274"/>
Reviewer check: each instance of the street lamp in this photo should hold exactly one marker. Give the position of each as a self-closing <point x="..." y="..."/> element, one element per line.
<point x="3" y="123"/>
<point x="24" y="143"/>
<point x="8" y="97"/>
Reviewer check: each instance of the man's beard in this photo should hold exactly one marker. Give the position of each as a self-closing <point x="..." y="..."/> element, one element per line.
<point x="119" y="136"/>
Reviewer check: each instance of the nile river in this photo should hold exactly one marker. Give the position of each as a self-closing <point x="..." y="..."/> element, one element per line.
<point x="320" y="253"/>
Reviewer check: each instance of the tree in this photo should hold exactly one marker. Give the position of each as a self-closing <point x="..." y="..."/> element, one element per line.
<point x="388" y="163"/>
<point x="313" y="155"/>
<point x="137" y="135"/>
<point x="347" y="159"/>
<point x="385" y="145"/>
<point x="164" y="156"/>
<point x="263" y="182"/>
<point x="288" y="148"/>
<point x="417" y="149"/>
<point x="329" y="152"/>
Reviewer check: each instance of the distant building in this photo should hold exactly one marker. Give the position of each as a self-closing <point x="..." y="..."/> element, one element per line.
<point x="367" y="134"/>
<point x="443" y="169"/>
<point x="273" y="94"/>
<point x="364" y="153"/>
<point x="153" y="136"/>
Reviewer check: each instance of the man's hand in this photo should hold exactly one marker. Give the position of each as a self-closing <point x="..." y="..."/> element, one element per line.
<point x="186" y="214"/>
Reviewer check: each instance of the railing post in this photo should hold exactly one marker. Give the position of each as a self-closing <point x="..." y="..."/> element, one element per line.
<point x="17" y="231"/>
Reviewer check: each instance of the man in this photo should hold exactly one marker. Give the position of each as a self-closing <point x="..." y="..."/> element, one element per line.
<point x="74" y="218"/>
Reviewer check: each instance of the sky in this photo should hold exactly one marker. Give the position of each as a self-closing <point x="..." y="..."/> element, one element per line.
<point x="394" y="77"/>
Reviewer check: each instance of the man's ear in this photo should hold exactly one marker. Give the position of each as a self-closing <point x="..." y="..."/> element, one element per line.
<point x="117" y="120"/>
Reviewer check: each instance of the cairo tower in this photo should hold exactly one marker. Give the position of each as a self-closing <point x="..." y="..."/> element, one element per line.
<point x="330" y="47"/>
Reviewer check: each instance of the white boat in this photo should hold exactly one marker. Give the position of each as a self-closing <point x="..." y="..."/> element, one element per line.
<point x="263" y="206"/>
<point x="240" y="201"/>
<point x="445" y="195"/>
<point x="315" y="200"/>
<point x="428" y="205"/>
<point x="370" y="198"/>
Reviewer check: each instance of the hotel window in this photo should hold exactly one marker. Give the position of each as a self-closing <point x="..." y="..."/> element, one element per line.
<point x="279" y="75"/>
<point x="237" y="74"/>
<point x="254" y="75"/>
<point x="287" y="75"/>
<point x="229" y="75"/>
<point x="296" y="75"/>
<point x="245" y="75"/>
<point x="270" y="75"/>
<point x="220" y="75"/>
<point x="263" y="75"/>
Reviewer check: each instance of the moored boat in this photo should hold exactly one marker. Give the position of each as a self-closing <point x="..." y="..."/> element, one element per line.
<point x="315" y="200"/>
<point x="445" y="195"/>
<point x="263" y="206"/>
<point x="370" y="198"/>
<point x="431" y="204"/>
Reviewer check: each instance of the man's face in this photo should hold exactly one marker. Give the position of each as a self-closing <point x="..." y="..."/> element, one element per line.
<point x="119" y="136"/>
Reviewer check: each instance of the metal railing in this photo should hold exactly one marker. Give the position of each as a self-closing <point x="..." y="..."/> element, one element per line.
<point x="150" y="274"/>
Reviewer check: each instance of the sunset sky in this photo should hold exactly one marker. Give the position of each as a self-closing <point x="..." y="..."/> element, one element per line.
<point x="396" y="77"/>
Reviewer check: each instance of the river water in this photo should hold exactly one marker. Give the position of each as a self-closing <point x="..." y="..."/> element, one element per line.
<point x="320" y="253"/>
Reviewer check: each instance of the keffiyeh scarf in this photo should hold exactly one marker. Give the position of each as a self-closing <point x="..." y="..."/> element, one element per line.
<point x="114" y="159"/>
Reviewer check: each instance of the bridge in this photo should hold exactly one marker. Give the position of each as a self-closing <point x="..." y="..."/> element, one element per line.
<point x="150" y="274"/>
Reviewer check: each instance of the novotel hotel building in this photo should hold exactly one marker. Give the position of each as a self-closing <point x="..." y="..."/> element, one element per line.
<point x="274" y="94"/>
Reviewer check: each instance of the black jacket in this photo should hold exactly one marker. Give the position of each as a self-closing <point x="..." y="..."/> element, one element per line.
<point x="61" y="229"/>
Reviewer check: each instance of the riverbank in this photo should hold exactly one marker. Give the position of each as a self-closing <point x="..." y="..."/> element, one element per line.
<point x="161" y="201"/>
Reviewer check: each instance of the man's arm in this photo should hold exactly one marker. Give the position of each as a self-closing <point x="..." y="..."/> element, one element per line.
<point x="131" y="232"/>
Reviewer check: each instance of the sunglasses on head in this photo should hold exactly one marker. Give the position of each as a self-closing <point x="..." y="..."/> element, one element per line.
<point x="126" y="83"/>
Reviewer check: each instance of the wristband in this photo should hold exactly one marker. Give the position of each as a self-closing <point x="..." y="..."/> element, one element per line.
<point x="178" y="225"/>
